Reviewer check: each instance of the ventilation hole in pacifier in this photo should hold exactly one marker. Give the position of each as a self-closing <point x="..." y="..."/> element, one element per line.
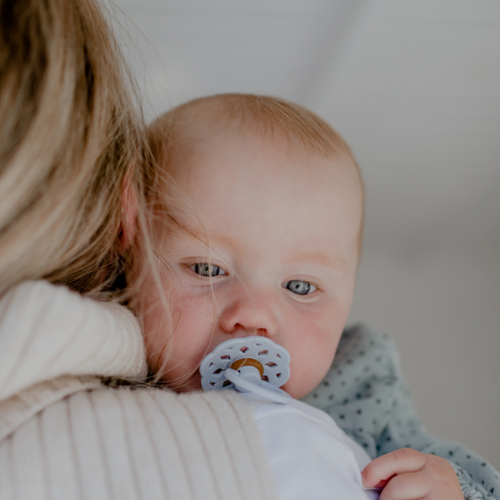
<point x="224" y="356"/>
<point x="244" y="349"/>
<point x="278" y="375"/>
<point x="278" y="356"/>
<point x="262" y="353"/>
<point x="212" y="383"/>
<point x="226" y="383"/>
<point x="265" y="378"/>
<point x="216" y="372"/>
<point x="271" y="364"/>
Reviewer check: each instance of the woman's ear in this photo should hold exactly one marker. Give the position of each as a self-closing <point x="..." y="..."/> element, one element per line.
<point x="130" y="206"/>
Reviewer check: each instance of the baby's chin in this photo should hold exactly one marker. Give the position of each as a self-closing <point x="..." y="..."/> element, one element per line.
<point x="299" y="389"/>
<point x="292" y="387"/>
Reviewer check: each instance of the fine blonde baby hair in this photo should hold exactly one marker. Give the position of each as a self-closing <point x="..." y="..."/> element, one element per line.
<point x="268" y="117"/>
<point x="69" y="137"/>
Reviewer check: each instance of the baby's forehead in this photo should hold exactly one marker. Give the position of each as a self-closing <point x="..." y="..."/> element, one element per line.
<point x="196" y="130"/>
<point x="206" y="148"/>
<point x="247" y="166"/>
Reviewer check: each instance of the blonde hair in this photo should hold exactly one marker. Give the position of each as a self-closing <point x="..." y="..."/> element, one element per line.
<point x="69" y="137"/>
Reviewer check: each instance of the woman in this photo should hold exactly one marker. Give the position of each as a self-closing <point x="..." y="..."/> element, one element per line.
<point x="71" y="153"/>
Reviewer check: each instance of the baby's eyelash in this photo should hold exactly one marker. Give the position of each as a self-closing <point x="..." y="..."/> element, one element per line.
<point x="207" y="270"/>
<point x="300" y="287"/>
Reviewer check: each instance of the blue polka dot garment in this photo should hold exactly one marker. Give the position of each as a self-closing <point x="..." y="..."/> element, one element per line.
<point x="365" y="393"/>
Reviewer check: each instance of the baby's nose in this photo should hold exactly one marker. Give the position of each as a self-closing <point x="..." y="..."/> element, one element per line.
<point x="251" y="314"/>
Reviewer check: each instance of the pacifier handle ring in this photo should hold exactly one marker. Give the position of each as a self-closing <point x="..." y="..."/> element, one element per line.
<point x="272" y="393"/>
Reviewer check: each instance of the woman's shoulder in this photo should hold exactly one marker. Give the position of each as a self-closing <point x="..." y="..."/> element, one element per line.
<point x="47" y="331"/>
<point x="137" y="442"/>
<point x="34" y="299"/>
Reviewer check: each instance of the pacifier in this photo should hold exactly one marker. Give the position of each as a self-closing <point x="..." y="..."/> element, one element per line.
<point x="248" y="364"/>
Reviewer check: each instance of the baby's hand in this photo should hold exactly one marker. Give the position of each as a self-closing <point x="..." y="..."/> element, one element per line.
<point x="408" y="474"/>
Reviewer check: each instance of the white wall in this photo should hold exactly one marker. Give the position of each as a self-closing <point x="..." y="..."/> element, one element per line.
<point x="414" y="86"/>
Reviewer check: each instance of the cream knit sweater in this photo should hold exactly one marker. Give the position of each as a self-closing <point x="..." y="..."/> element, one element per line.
<point x="64" y="435"/>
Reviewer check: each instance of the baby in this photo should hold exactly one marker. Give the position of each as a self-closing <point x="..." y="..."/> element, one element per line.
<point x="268" y="244"/>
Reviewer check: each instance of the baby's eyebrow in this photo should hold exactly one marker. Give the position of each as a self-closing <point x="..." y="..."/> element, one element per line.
<point x="337" y="262"/>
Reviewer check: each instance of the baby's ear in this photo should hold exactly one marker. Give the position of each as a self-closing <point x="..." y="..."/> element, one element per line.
<point x="130" y="204"/>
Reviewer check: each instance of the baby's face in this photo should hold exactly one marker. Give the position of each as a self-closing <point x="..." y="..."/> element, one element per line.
<point x="283" y="233"/>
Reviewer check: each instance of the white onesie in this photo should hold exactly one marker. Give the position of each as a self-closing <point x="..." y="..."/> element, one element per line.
<point x="309" y="455"/>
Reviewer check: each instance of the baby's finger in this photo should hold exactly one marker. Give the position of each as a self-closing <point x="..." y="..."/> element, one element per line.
<point x="406" y="486"/>
<point x="378" y="472"/>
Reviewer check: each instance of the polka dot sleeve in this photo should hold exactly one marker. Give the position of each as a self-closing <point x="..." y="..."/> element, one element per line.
<point x="365" y="393"/>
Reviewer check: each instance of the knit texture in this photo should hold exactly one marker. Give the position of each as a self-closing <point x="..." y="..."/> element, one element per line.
<point x="137" y="444"/>
<point x="47" y="331"/>
<point x="64" y="435"/>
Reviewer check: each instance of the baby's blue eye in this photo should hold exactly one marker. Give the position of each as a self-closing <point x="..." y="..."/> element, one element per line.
<point x="207" y="270"/>
<point x="300" y="287"/>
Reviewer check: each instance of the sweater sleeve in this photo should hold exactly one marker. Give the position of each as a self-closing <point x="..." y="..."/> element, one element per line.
<point x="365" y="393"/>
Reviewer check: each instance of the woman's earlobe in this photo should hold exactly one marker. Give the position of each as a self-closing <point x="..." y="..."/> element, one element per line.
<point x="129" y="209"/>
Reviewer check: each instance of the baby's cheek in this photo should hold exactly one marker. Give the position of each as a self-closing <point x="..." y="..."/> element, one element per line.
<point x="305" y="376"/>
<point x="155" y="330"/>
<point x="311" y="357"/>
<point x="188" y="341"/>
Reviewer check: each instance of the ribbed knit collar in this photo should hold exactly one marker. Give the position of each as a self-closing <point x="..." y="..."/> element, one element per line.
<point x="47" y="331"/>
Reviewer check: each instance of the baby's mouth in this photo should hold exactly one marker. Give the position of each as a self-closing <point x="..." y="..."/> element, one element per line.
<point x="248" y="364"/>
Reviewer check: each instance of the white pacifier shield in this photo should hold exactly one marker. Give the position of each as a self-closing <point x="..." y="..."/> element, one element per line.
<point x="271" y="358"/>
